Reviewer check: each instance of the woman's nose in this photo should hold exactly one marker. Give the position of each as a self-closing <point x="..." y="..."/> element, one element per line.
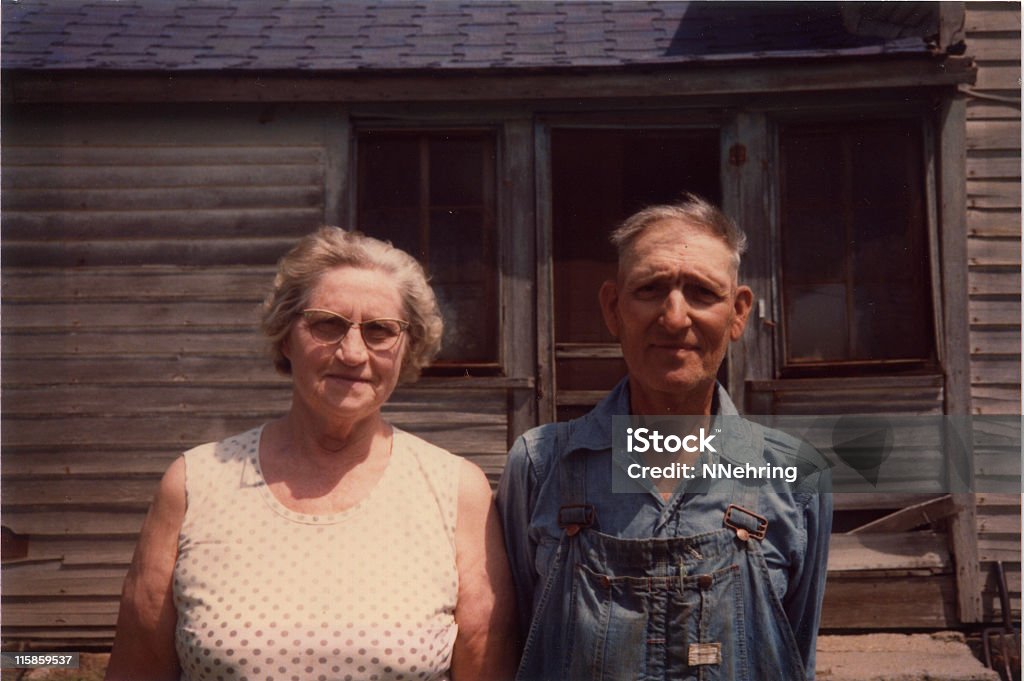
<point x="352" y="348"/>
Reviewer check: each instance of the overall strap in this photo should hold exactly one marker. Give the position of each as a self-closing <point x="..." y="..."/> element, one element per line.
<point x="575" y="513"/>
<point x="742" y="514"/>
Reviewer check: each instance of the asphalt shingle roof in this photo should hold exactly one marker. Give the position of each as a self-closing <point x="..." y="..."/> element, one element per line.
<point x="345" y="35"/>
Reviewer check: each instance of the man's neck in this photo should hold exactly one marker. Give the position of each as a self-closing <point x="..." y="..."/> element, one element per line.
<point x="693" y="402"/>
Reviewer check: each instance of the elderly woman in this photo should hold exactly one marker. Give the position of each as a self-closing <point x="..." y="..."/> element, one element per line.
<point x="327" y="544"/>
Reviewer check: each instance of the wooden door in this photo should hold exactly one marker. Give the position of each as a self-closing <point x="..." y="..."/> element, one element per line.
<point x="600" y="176"/>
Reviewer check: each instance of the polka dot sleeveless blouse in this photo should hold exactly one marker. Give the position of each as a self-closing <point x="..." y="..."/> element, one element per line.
<point x="263" y="592"/>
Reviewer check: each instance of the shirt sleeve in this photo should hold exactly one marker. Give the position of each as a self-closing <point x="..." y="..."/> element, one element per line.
<point x="803" y="601"/>
<point x="516" y="499"/>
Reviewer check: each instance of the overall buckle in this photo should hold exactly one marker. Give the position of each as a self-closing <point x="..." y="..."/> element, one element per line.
<point x="745" y="522"/>
<point x="574" y="517"/>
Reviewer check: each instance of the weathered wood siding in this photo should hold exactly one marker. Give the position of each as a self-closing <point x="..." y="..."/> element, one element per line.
<point x="994" y="252"/>
<point x="137" y="246"/>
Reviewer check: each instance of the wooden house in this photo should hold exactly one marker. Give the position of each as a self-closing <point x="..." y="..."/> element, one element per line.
<point x="159" y="156"/>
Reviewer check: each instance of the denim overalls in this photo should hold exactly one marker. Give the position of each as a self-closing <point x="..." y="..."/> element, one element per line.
<point x="699" y="605"/>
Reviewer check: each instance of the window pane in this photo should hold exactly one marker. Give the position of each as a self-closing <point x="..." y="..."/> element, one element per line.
<point x="389" y="173"/>
<point x="400" y="226"/>
<point x="468" y="320"/>
<point x="455" y="169"/>
<point x="432" y="194"/>
<point x="457" y="247"/>
<point x="888" y="324"/>
<point x="816" y="323"/>
<point x="855" y="275"/>
<point x="811" y="252"/>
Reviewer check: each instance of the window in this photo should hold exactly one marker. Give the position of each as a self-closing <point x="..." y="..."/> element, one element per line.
<point x="433" y="194"/>
<point x="855" y="278"/>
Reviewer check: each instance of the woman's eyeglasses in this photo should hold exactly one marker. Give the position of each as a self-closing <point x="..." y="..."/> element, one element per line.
<point x="330" y="328"/>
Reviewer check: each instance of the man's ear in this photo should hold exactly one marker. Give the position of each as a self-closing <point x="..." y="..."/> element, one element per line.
<point x="742" y="304"/>
<point x="608" y="297"/>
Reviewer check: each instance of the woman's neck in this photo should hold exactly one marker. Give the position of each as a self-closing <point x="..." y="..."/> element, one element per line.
<point x="330" y="445"/>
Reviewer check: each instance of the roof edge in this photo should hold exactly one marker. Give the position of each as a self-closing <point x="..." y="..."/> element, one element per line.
<point x="633" y="80"/>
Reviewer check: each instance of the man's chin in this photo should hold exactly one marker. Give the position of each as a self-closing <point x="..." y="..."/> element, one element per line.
<point x="680" y="383"/>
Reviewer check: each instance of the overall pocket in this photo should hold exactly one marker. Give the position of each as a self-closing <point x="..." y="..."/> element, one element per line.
<point x="679" y="627"/>
<point x="707" y="631"/>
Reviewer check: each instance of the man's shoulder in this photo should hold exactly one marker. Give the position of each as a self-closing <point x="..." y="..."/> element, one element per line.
<point x="784" y="449"/>
<point x="537" y="447"/>
<point x="783" y="445"/>
<point x="542" y="446"/>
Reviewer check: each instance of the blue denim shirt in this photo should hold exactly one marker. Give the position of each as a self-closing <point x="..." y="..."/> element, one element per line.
<point x="795" y="547"/>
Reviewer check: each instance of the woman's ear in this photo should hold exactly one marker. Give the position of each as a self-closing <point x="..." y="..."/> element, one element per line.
<point x="286" y="347"/>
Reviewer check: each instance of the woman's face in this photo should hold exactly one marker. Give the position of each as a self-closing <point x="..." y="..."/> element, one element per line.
<point x="347" y="381"/>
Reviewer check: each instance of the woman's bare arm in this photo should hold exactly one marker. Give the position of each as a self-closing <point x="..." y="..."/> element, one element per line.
<point x="486" y="648"/>
<point x="144" y="644"/>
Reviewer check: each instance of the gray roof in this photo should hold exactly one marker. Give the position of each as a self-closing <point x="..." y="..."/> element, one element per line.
<point x="395" y="35"/>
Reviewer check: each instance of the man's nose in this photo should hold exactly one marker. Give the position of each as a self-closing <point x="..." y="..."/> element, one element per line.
<point x="352" y="348"/>
<point x="676" y="313"/>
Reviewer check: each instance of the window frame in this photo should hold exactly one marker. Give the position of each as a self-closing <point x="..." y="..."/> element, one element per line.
<point x="916" y="113"/>
<point x="492" y="222"/>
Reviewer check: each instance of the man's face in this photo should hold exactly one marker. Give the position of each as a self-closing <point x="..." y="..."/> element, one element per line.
<point x="674" y="307"/>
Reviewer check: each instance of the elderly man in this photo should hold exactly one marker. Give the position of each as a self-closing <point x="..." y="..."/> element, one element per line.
<point x="680" y="578"/>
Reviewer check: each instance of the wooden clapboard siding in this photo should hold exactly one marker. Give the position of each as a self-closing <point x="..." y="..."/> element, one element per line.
<point x="115" y="186"/>
<point x="860" y="395"/>
<point x="137" y="248"/>
<point x="993" y="221"/>
<point x="993" y="196"/>
<point x="886" y="600"/>
<point x="889" y="581"/>
<point x="109" y="373"/>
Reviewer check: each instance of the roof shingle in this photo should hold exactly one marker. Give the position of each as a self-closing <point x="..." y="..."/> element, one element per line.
<point x="182" y="35"/>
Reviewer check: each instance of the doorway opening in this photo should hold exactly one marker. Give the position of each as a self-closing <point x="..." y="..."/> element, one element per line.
<point x="599" y="177"/>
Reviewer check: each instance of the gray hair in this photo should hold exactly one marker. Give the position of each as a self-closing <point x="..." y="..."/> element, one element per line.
<point x="330" y="247"/>
<point x="694" y="211"/>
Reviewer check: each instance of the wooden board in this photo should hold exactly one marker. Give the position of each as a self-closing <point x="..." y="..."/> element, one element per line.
<point x="1002" y="222"/>
<point x="993" y="109"/>
<point x="893" y="551"/>
<point x="58" y="285"/>
<point x="999" y="76"/>
<point x="993" y="194"/>
<point x="993" y="46"/>
<point x="985" y="17"/>
<point x="846" y="396"/>
<point x="1005" y="371"/>
<point x="994" y="312"/>
<point x="889" y="602"/>
<point x="30" y="581"/>
<point x="991" y="167"/>
<point x="992" y="134"/>
<point x="995" y="281"/>
<point x="60" y="612"/>
<point x="708" y="79"/>
<point x="995" y="399"/>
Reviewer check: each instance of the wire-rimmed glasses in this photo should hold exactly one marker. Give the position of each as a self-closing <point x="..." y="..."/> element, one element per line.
<point x="330" y="328"/>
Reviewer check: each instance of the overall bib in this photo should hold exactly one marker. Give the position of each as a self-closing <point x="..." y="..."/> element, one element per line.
<point x="698" y="607"/>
